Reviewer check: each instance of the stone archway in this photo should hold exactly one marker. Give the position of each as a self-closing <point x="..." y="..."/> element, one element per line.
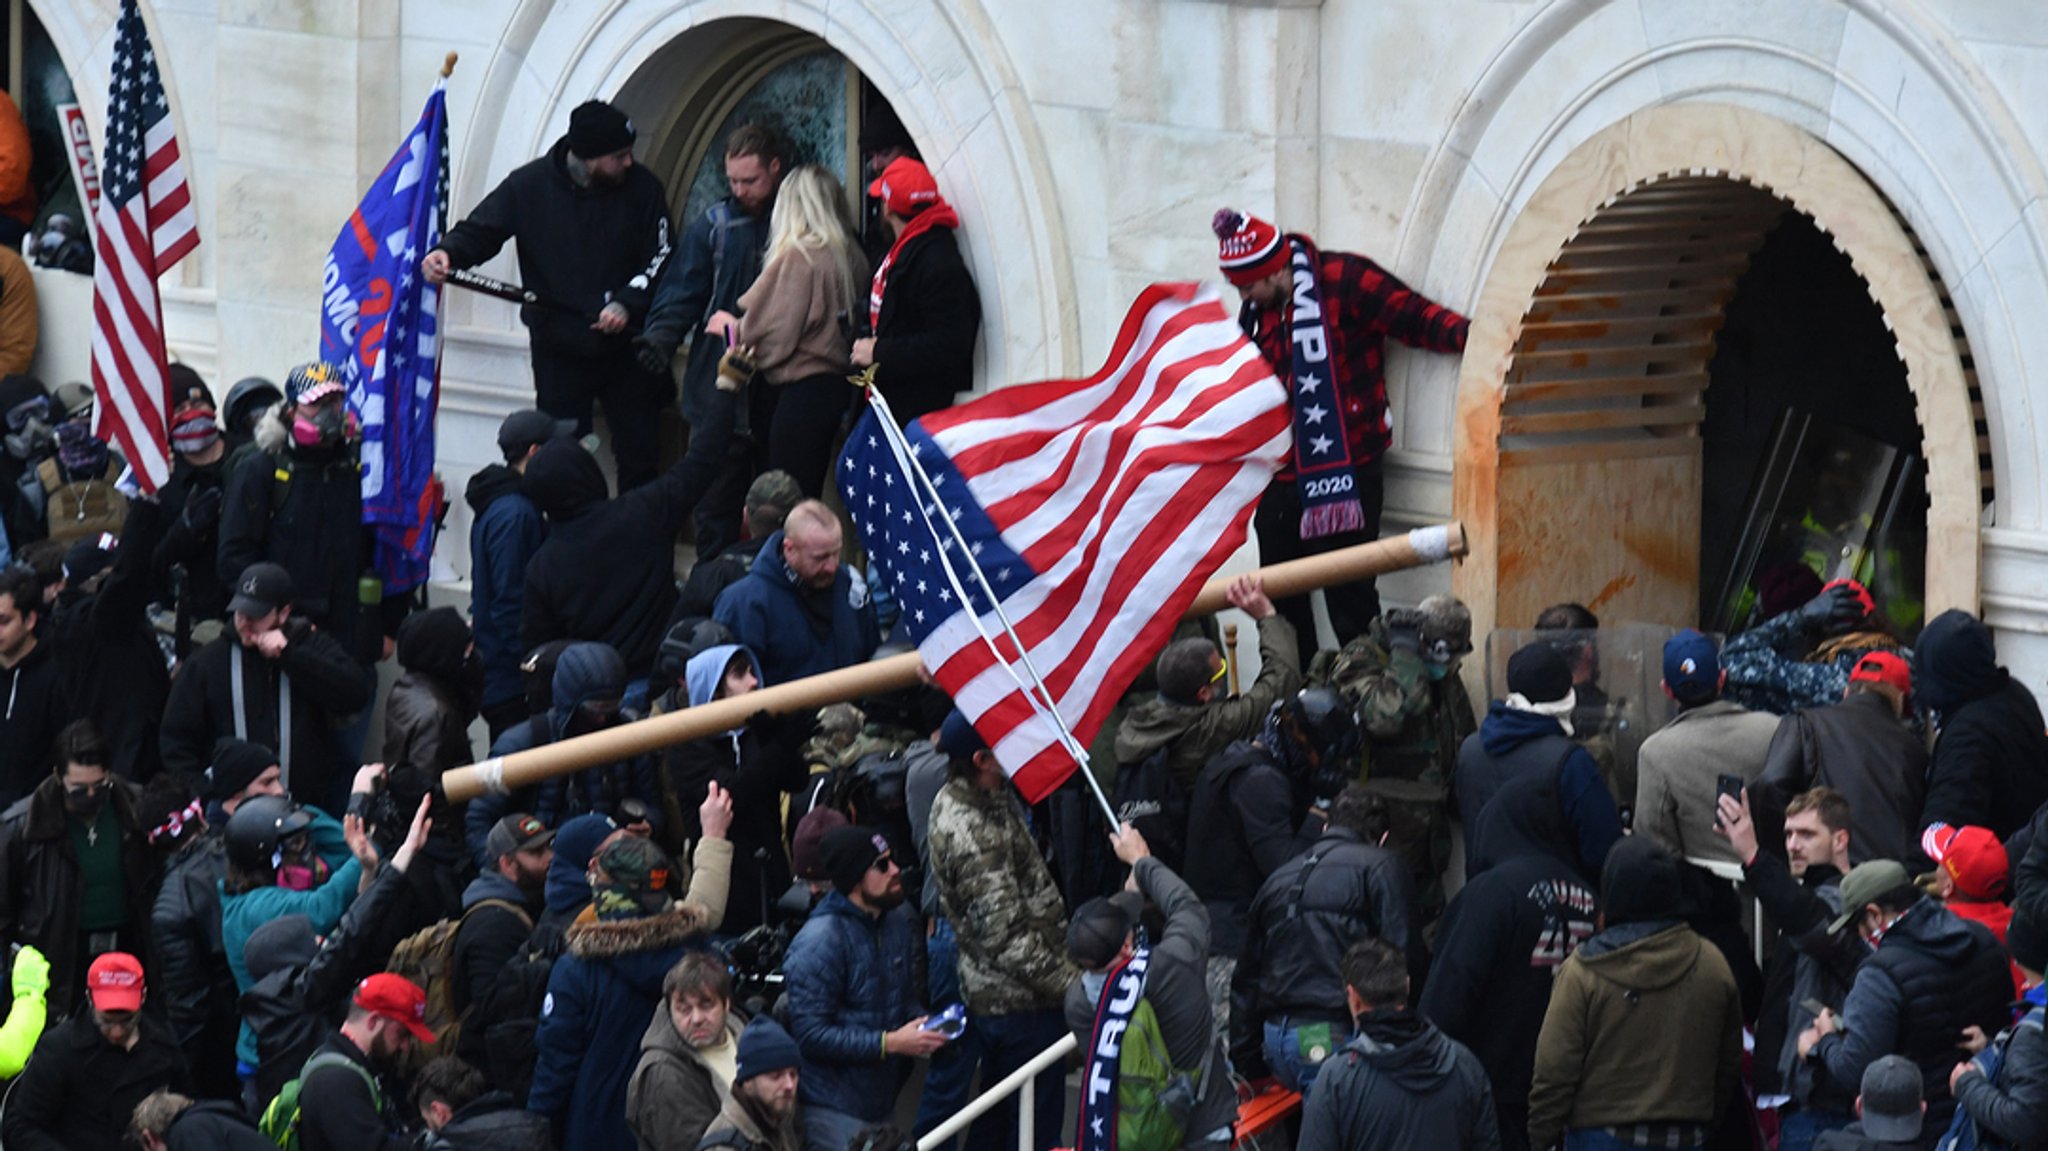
<point x="1695" y="179"/>
<point x="939" y="64"/>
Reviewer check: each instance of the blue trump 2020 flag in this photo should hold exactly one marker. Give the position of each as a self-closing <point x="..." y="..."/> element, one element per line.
<point x="379" y="325"/>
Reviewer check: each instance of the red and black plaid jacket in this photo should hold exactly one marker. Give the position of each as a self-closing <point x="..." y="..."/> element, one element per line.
<point x="1363" y="304"/>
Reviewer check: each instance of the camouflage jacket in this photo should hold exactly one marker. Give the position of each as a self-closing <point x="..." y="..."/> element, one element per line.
<point x="1414" y="724"/>
<point x="1762" y="678"/>
<point x="1006" y="912"/>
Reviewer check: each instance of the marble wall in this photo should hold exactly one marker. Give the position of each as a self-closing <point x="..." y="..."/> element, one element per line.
<point x="1087" y="142"/>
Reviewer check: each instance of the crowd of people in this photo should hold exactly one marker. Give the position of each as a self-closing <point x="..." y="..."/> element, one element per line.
<point x="243" y="918"/>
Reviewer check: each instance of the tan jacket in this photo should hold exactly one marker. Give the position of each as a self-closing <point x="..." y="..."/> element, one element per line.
<point x="1677" y="767"/>
<point x="792" y="318"/>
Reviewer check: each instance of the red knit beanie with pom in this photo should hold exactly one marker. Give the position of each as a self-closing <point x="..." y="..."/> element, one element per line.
<point x="1248" y="248"/>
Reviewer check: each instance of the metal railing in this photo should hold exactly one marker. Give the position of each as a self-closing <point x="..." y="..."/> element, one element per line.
<point x="1011" y="1084"/>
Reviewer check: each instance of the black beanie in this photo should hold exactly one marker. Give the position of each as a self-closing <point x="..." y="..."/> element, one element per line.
<point x="236" y="764"/>
<point x="598" y="129"/>
<point x="1640" y="881"/>
<point x="1096" y="933"/>
<point x="1539" y="674"/>
<point x="848" y="852"/>
<point x="2026" y="938"/>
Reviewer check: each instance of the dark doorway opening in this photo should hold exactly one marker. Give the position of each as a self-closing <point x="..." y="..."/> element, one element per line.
<point x="1812" y="445"/>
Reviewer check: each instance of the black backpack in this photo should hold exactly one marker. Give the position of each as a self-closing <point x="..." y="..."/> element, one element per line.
<point x="1148" y="797"/>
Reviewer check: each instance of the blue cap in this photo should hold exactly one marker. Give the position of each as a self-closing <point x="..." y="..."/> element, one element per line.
<point x="957" y="737"/>
<point x="1692" y="667"/>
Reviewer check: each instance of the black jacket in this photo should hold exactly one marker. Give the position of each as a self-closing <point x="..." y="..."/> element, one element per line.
<point x="113" y="670"/>
<point x="1809" y="963"/>
<point x="1989" y="767"/>
<point x="41" y="888"/>
<point x="607" y="570"/>
<point x="33" y="709"/>
<point x="756" y="764"/>
<point x="579" y="247"/>
<point x="1861" y="749"/>
<point x="505" y="530"/>
<point x="489" y="935"/>
<point x="79" y="1091"/>
<point x="300" y="990"/>
<point x="188" y="972"/>
<point x="1311" y="909"/>
<point x="711" y="576"/>
<point x="924" y="337"/>
<point x="215" y="1126"/>
<point x="495" y="1122"/>
<point x="2013" y="1111"/>
<point x="325" y="684"/>
<point x="339" y="1112"/>
<point x="189" y="551"/>
<point x="1498" y="948"/>
<point x="1248" y="817"/>
<point x="1400" y="1083"/>
<point x="1931" y="976"/>
<point x="1513" y="745"/>
<point x="304" y="510"/>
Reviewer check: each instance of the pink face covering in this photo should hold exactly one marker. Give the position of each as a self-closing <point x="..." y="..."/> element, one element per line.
<point x="300" y="876"/>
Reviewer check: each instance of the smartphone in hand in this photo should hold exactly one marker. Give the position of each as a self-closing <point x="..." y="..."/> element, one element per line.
<point x="1728" y="785"/>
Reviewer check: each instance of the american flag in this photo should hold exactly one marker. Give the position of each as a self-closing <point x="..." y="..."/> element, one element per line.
<point x="145" y="226"/>
<point x="1095" y="508"/>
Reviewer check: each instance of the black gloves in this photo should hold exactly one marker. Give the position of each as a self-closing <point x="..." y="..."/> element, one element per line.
<point x="202" y="511"/>
<point x="1835" y="609"/>
<point x="653" y="356"/>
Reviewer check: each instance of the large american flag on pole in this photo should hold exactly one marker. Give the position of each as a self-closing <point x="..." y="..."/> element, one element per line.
<point x="1095" y="508"/>
<point x="145" y="225"/>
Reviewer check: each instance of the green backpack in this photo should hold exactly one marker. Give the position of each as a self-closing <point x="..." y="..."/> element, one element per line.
<point x="280" y="1122"/>
<point x="1154" y="1098"/>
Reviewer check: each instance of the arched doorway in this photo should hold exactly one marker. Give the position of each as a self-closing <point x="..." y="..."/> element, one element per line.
<point x="1580" y="463"/>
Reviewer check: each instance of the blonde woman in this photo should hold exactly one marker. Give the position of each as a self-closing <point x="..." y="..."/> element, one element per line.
<point x="797" y="319"/>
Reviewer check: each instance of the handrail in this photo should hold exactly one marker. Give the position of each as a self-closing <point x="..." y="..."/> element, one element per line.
<point x="1009" y="1085"/>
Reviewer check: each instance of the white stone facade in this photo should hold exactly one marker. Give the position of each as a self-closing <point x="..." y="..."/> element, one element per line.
<point x="1086" y="143"/>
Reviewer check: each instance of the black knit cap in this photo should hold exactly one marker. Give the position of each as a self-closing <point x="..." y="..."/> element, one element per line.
<point x="236" y="764"/>
<point x="2026" y="938"/>
<point x="1096" y="933"/>
<point x="598" y="129"/>
<point x="1539" y="674"/>
<point x="848" y="852"/>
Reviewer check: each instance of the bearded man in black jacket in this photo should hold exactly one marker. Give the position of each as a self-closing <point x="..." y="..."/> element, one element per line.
<point x="592" y="228"/>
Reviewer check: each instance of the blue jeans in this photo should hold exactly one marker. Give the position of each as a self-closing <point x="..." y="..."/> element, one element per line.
<point x="1797" y="1129"/>
<point x="1284" y="1057"/>
<point x="998" y="1045"/>
<point x="1597" y="1139"/>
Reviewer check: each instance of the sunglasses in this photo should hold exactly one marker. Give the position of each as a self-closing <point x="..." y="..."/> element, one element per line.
<point x="884" y="865"/>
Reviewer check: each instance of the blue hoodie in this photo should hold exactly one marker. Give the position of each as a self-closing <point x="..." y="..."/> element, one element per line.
<point x="1584" y="802"/>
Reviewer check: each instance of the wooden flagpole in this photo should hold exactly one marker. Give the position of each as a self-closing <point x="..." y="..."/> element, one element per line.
<point x="507" y="773"/>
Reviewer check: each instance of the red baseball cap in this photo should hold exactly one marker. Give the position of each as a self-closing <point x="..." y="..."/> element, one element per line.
<point x="1972" y="856"/>
<point x="1883" y="667"/>
<point x="905" y="186"/>
<point x="398" y="999"/>
<point x="115" y="982"/>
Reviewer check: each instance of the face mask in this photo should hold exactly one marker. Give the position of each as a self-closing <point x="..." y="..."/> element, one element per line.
<point x="1437" y="670"/>
<point x="33" y="440"/>
<point x="85" y="803"/>
<point x="325" y="428"/>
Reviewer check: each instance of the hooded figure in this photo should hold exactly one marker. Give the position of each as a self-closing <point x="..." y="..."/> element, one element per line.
<point x="107" y="656"/>
<point x="1989" y="766"/>
<point x="427" y="718"/>
<point x="1644" y="1024"/>
<point x="756" y="764"/>
<point x="589" y="682"/>
<point x="302" y="979"/>
<point x="607" y="570"/>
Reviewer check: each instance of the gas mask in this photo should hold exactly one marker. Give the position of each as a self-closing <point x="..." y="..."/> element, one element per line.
<point x="298" y="869"/>
<point x="29" y="432"/>
<point x="327" y="427"/>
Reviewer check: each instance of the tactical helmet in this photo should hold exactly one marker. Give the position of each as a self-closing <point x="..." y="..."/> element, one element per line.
<point x="258" y="826"/>
<point x="1446" y="628"/>
<point x="1327" y="722"/>
<point x="246" y="400"/>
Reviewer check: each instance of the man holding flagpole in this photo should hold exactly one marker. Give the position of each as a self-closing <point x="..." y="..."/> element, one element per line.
<point x="145" y="225"/>
<point x="1322" y="320"/>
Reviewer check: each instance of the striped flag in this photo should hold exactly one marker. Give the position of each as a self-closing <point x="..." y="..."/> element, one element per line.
<point x="145" y="225"/>
<point x="1095" y="508"/>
